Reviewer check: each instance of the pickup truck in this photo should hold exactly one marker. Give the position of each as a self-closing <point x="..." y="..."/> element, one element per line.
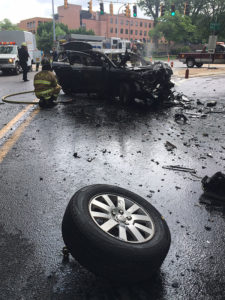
<point x="203" y="57"/>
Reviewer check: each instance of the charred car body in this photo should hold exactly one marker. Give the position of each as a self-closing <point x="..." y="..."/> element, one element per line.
<point x="80" y="69"/>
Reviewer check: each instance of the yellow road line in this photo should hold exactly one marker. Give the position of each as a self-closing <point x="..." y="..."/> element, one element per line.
<point x="12" y="140"/>
<point x="7" y="127"/>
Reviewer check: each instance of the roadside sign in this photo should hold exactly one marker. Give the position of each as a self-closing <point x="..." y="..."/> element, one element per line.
<point x="214" y="26"/>
<point x="212" y="43"/>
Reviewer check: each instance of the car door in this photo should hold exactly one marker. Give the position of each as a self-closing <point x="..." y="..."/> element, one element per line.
<point x="94" y="73"/>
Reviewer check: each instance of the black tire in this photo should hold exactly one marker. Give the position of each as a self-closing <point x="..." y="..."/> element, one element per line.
<point x="125" y="93"/>
<point x="105" y="254"/>
<point x="199" y="65"/>
<point x="190" y="63"/>
<point x="17" y="69"/>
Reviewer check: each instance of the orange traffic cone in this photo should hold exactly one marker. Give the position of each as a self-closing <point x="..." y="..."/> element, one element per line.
<point x="151" y="59"/>
<point x="168" y="58"/>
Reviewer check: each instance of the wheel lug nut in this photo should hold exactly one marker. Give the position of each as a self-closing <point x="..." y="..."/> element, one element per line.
<point x="129" y="218"/>
<point x="121" y="211"/>
<point x="113" y="213"/>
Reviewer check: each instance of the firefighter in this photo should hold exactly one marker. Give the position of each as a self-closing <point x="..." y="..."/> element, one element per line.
<point x="23" y="58"/>
<point x="46" y="87"/>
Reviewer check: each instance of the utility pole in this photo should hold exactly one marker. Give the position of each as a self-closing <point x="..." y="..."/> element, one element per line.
<point x="53" y="19"/>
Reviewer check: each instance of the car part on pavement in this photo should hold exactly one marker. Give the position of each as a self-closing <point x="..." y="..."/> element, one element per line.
<point x="179" y="168"/>
<point x="115" y="233"/>
<point x="214" y="186"/>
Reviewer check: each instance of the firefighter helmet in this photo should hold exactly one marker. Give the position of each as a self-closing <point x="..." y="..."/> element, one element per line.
<point x="45" y="63"/>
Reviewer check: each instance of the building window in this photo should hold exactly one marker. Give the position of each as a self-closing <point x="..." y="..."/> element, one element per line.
<point x="146" y="25"/>
<point x="145" y="33"/>
<point x="131" y="32"/>
<point x="33" y="24"/>
<point x="131" y="23"/>
<point x="116" y="21"/>
<point x="115" y="30"/>
<point x="141" y="24"/>
<point x="126" y="31"/>
<point x="149" y="25"/>
<point x="140" y="32"/>
<point x="39" y="23"/>
<point x="111" y="20"/>
<point x="136" y="32"/>
<point x="111" y="30"/>
<point x="121" y="30"/>
<point x="121" y="22"/>
<point x="127" y="22"/>
<point x="136" y="23"/>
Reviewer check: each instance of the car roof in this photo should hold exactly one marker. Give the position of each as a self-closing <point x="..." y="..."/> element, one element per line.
<point x="76" y="46"/>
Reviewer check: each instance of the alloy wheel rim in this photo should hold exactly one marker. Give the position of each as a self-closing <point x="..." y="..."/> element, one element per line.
<point x="121" y="218"/>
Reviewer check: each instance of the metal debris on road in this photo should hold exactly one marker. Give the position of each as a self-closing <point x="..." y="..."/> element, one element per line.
<point x="179" y="168"/>
<point x="211" y="103"/>
<point x="180" y="118"/>
<point x="169" y="146"/>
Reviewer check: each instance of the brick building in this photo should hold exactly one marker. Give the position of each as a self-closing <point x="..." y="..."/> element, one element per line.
<point x="105" y="25"/>
<point x="32" y="24"/>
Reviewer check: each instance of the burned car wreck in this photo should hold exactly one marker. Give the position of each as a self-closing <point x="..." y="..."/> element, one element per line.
<point x="129" y="77"/>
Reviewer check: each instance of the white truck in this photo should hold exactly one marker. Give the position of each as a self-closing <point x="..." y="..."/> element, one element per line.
<point x="10" y="41"/>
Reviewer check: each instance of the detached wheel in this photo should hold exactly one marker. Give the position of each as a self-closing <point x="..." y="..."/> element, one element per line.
<point x="190" y="63"/>
<point x="125" y="93"/>
<point x="115" y="233"/>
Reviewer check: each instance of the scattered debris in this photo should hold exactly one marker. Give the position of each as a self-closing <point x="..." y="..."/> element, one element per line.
<point x="214" y="186"/>
<point x="196" y="115"/>
<point x="179" y="168"/>
<point x="199" y="102"/>
<point x="169" y="146"/>
<point x="90" y="159"/>
<point x="211" y="103"/>
<point x="76" y="155"/>
<point x="180" y="118"/>
<point x="175" y="284"/>
<point x="207" y="228"/>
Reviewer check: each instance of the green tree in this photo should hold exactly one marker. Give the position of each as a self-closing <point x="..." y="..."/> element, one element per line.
<point x="178" y="28"/>
<point x="6" y="24"/>
<point x="45" y="34"/>
<point x="82" y="30"/>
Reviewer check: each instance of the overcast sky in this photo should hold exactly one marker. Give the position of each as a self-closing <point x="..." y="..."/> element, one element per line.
<point x="16" y="10"/>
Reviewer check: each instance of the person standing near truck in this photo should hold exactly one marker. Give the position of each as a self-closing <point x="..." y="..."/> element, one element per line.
<point x="23" y="58"/>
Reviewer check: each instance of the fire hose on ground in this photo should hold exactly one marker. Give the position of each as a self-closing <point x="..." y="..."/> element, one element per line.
<point x="35" y="102"/>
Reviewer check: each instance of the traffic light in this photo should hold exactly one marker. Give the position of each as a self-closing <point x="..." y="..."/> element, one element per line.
<point x="186" y="9"/>
<point x="90" y="6"/>
<point x="127" y="10"/>
<point x="162" y="10"/>
<point x="101" y="8"/>
<point x="173" y="12"/>
<point x="111" y="9"/>
<point x="135" y="11"/>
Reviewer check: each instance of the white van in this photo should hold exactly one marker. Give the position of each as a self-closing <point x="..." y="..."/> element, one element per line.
<point x="10" y="41"/>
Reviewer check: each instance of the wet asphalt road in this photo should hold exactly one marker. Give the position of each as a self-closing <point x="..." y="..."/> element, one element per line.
<point x="120" y="146"/>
